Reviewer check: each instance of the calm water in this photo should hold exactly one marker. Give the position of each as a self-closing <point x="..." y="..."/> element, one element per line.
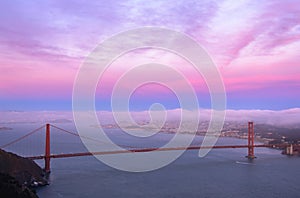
<point x="222" y="173"/>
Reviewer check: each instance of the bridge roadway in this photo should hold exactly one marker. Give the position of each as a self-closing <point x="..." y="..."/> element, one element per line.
<point x="140" y="150"/>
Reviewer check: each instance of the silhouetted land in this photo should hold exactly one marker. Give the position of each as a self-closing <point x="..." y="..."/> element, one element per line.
<point x="18" y="175"/>
<point x="11" y="188"/>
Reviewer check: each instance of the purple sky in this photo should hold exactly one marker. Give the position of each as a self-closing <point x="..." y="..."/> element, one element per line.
<point x="255" y="44"/>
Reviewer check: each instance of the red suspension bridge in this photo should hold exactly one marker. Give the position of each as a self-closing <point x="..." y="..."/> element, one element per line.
<point x="47" y="156"/>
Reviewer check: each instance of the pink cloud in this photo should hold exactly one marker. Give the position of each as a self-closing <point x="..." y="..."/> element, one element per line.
<point x="255" y="44"/>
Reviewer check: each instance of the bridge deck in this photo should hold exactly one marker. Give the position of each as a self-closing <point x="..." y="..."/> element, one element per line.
<point x="139" y="150"/>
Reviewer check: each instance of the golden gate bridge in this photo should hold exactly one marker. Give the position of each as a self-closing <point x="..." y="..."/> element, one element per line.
<point x="47" y="156"/>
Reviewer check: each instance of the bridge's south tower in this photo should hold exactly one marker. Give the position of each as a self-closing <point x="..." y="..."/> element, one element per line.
<point x="250" y="141"/>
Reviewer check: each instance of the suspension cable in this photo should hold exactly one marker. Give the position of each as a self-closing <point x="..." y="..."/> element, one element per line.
<point x="22" y="137"/>
<point x="92" y="139"/>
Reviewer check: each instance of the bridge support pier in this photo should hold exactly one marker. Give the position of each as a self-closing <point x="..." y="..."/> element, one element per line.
<point x="250" y="141"/>
<point x="289" y="150"/>
<point x="47" y="149"/>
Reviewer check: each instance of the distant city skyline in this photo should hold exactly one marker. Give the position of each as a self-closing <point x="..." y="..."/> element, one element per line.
<point x="255" y="45"/>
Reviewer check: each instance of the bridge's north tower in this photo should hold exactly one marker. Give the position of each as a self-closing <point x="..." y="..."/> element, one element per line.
<point x="47" y="149"/>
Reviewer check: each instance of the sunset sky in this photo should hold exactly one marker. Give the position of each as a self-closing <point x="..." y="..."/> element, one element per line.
<point x="255" y="45"/>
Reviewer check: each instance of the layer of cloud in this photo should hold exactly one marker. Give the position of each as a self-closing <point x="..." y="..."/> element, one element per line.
<point x="279" y="118"/>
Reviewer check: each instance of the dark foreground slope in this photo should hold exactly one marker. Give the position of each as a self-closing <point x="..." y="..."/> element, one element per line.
<point x="18" y="174"/>
<point x="10" y="188"/>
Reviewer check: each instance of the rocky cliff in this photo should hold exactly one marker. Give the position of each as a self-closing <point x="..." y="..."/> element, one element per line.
<point x="18" y="174"/>
<point x="10" y="188"/>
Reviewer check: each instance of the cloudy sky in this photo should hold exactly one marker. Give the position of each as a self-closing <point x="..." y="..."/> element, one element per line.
<point x="255" y="45"/>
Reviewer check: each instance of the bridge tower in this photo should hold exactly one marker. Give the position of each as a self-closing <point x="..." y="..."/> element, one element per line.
<point x="47" y="149"/>
<point x="250" y="141"/>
